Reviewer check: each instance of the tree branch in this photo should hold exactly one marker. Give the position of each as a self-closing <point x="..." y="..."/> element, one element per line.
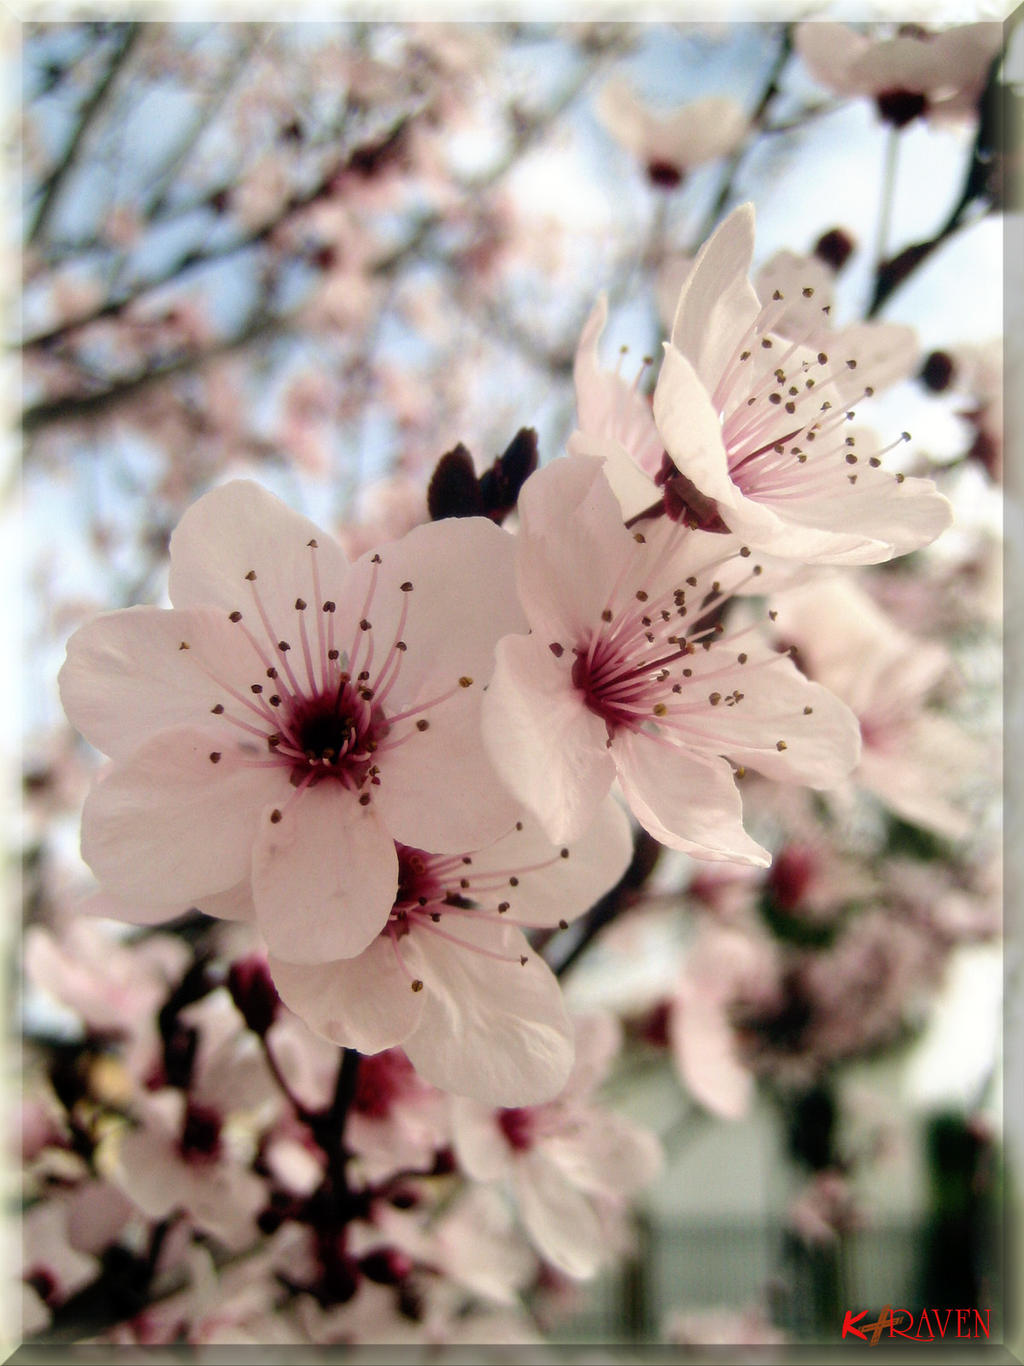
<point x="55" y="180"/>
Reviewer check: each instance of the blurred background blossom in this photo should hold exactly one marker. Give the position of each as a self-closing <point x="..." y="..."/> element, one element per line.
<point x="322" y="255"/>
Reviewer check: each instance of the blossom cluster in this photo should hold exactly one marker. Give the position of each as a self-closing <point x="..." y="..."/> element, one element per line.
<point x="359" y="795"/>
<point x="394" y="767"/>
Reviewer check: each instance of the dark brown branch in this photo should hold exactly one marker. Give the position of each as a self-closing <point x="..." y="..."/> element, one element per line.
<point x="976" y="189"/>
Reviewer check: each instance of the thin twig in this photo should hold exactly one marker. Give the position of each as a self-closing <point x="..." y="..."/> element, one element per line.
<point x="768" y="92"/>
<point x="892" y="149"/>
<point x="55" y="180"/>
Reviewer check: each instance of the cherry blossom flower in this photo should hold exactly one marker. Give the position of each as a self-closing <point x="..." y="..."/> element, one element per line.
<point x="452" y="978"/>
<point x="292" y="716"/>
<point x="51" y="1267"/>
<point x="914" y="760"/>
<point x="626" y="676"/>
<point x="471" y="1239"/>
<point x="726" y="964"/>
<point x="975" y="370"/>
<point x="115" y="989"/>
<point x="750" y="430"/>
<point x="567" y="1161"/>
<point x="915" y="74"/>
<point x="668" y="144"/>
<point x="396" y="1120"/>
<point x="885" y="352"/>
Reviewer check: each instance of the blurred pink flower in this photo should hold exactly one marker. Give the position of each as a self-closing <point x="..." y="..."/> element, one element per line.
<point x="396" y="1120"/>
<point x="476" y="1010"/>
<point x="724" y="966"/>
<point x="569" y="1163"/>
<point x="608" y="685"/>
<point x="181" y="1157"/>
<point x="116" y="989"/>
<point x="914" y="759"/>
<point x="267" y="750"/>
<point x="917" y="73"/>
<point x="51" y="1266"/>
<point x="668" y="144"/>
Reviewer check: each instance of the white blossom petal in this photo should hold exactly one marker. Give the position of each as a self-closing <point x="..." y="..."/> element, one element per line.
<point x="237" y="529"/>
<point x="687" y="802"/>
<point x="167" y="822"/>
<point x="324" y="875"/>
<point x="127" y="676"/>
<point x="492" y="1027"/>
<point x="438" y="788"/>
<point x="559" y="1218"/>
<point x="364" y="1002"/>
<point x="549" y="748"/>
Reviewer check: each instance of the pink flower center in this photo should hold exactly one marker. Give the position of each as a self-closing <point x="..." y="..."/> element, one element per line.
<point x="447" y="887"/>
<point x="200" y="1134"/>
<point x="791" y="873"/>
<point x="383" y="1078"/>
<point x="518" y="1127"/>
<point x="644" y="667"/>
<point x="320" y="703"/>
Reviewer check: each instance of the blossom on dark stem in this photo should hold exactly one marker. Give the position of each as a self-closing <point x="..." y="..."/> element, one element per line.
<point x="571" y="1166"/>
<point x="452" y="978"/>
<point x="292" y="716"/>
<point x="629" y="674"/>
